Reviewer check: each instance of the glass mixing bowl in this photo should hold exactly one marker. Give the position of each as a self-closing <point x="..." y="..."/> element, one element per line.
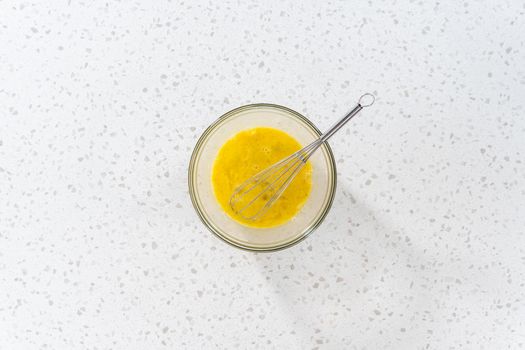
<point x="201" y="188"/>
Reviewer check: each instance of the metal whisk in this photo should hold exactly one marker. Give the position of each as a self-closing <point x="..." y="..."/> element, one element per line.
<point x="270" y="183"/>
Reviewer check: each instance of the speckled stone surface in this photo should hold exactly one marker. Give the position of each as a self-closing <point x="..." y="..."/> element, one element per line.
<point x="102" y="102"/>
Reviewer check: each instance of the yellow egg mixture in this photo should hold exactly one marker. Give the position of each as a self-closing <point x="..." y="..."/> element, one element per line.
<point x="249" y="152"/>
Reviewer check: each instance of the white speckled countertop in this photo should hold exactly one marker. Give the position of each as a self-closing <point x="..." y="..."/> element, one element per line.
<point x="102" y="102"/>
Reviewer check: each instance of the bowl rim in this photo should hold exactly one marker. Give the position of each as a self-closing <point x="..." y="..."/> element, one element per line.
<point x="210" y="225"/>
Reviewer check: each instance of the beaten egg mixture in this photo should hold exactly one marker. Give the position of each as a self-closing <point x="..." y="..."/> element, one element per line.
<point x="249" y="152"/>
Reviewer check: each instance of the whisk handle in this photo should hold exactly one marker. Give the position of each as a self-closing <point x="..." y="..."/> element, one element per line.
<point x="365" y="100"/>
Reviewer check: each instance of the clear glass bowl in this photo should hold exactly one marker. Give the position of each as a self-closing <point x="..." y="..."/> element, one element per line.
<point x="201" y="188"/>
